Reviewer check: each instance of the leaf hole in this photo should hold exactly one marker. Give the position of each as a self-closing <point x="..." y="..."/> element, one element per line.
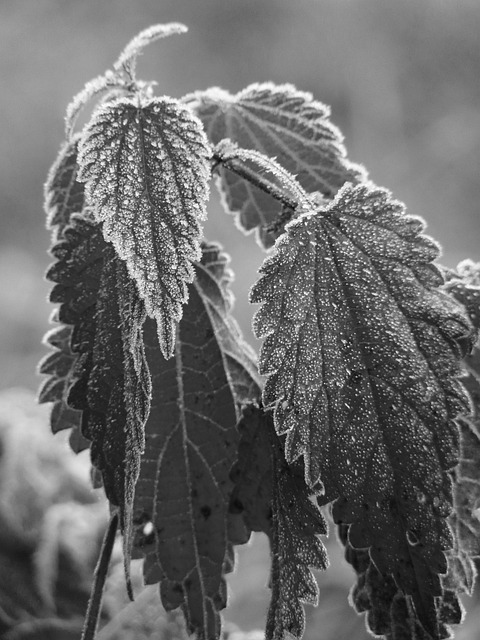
<point x="412" y="538"/>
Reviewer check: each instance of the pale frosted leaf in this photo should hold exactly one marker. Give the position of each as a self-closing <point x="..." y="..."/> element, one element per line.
<point x="89" y="91"/>
<point x="128" y="58"/>
<point x="182" y="496"/>
<point x="147" y="172"/>
<point x="109" y="383"/>
<point x="362" y="353"/>
<point x="64" y="195"/>
<point x="283" y="123"/>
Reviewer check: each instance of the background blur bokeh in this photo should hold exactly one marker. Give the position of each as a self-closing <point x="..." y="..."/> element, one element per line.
<point x="403" y="81"/>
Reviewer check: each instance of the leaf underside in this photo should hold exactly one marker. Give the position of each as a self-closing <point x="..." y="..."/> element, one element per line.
<point x="146" y="171"/>
<point x="184" y="529"/>
<point x="109" y="383"/>
<point x="362" y="352"/>
<point x="282" y="123"/>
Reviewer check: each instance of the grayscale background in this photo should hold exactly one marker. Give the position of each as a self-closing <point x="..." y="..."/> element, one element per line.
<point x="403" y="81"/>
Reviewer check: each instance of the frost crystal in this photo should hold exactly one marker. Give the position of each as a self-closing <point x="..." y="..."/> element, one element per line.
<point x="146" y="171"/>
<point x="362" y="354"/>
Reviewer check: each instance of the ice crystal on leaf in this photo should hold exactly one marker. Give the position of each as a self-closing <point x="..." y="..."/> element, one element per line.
<point x="283" y="123"/>
<point x="362" y="351"/>
<point x="109" y="382"/>
<point x="191" y="442"/>
<point x="128" y="58"/>
<point x="146" y="171"/>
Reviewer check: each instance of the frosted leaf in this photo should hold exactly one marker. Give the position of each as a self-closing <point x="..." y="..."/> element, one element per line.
<point x="109" y="382"/>
<point x="128" y="58"/>
<point x="64" y="195"/>
<point x="59" y="366"/>
<point x="146" y="171"/>
<point x="282" y="123"/>
<point x="89" y="91"/>
<point x="184" y="529"/>
<point x="362" y="354"/>
<point x="273" y="498"/>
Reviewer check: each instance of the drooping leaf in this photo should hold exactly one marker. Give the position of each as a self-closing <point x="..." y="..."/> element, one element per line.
<point x="146" y="169"/>
<point x="59" y="366"/>
<point x="182" y="495"/>
<point x="128" y="58"/>
<point x="110" y="383"/>
<point x="274" y="498"/>
<point x="252" y="473"/>
<point x="64" y="194"/>
<point x="362" y="353"/>
<point x="464" y="285"/>
<point x="295" y="549"/>
<point x="389" y="613"/>
<point x="283" y="123"/>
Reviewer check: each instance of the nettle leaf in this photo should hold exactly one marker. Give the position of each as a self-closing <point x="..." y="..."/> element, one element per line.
<point x="145" y="163"/>
<point x="274" y="498"/>
<point x="362" y="354"/>
<point x="110" y="381"/>
<point x="283" y="123"/>
<point x="128" y="58"/>
<point x="64" y="194"/>
<point x="182" y="495"/>
<point x="108" y="80"/>
<point x="59" y="366"/>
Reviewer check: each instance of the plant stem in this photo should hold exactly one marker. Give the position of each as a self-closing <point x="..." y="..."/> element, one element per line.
<point x="264" y="184"/>
<point x="99" y="577"/>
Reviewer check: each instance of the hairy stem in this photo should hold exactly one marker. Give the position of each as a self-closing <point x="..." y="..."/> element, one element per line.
<point x="262" y="183"/>
<point x="99" y="577"/>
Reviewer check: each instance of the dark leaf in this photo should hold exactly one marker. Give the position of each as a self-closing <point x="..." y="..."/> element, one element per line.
<point x="362" y="353"/>
<point x="146" y="168"/>
<point x="59" y="366"/>
<point x="182" y="496"/>
<point x="274" y="498"/>
<point x="111" y="384"/>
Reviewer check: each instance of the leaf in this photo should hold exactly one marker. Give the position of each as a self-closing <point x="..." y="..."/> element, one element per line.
<point x="295" y="549"/>
<point x="92" y="88"/>
<point x="182" y="495"/>
<point x="59" y="366"/>
<point x="274" y="499"/>
<point x="64" y="195"/>
<point x="361" y="351"/>
<point x="283" y="123"/>
<point x="111" y="382"/>
<point x="252" y="473"/>
<point x="390" y="613"/>
<point x="128" y="58"/>
<point x="146" y="171"/>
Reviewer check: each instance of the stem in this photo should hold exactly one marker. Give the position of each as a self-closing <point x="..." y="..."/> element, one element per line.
<point x="99" y="577"/>
<point x="262" y="183"/>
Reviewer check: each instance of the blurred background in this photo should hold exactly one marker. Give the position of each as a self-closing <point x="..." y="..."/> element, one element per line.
<point x="403" y="81"/>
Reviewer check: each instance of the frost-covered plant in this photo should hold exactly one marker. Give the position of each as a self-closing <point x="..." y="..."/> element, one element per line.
<point x="370" y="401"/>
